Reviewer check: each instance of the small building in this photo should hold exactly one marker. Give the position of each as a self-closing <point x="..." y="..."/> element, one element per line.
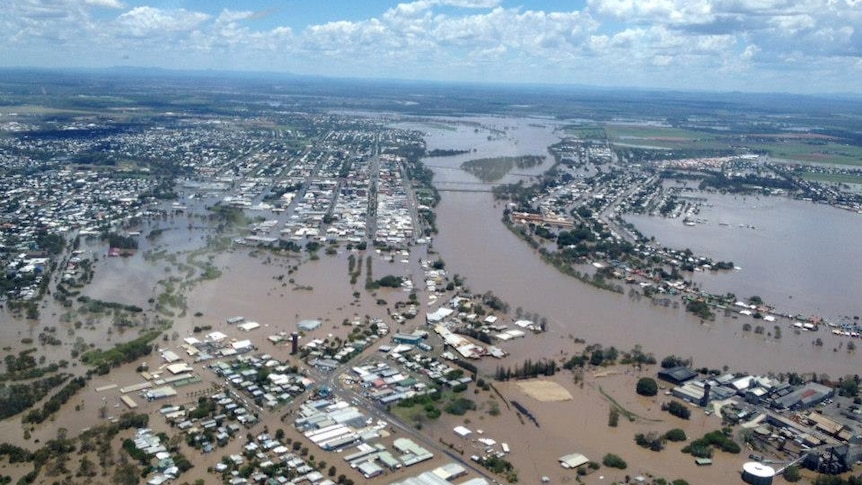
<point x="369" y="469"/>
<point x="128" y="401"/>
<point x="179" y="368"/>
<point x="573" y="460"/>
<point x="438" y="315"/>
<point x="309" y="325"/>
<point x="450" y="471"/>
<point x="170" y="356"/>
<point x="401" y="338"/>
<point x="248" y="326"/>
<point x="161" y="393"/>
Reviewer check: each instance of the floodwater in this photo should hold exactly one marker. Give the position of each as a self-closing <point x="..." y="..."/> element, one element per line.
<point x="796" y="255"/>
<point x="474" y="244"/>
<point x="580" y="425"/>
<point x="485" y="137"/>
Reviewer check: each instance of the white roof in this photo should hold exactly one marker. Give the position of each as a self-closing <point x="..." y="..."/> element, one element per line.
<point x="247" y="326"/>
<point x="462" y="431"/>
<point x="170" y="356"/>
<point x="216" y="336"/>
<point x="439" y="314"/>
<point x="179" y="368"/>
<point x="573" y="460"/>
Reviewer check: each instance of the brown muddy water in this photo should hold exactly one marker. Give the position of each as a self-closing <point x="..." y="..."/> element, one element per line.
<point x="580" y="425"/>
<point x="474" y="244"/>
<point x="473" y="240"/>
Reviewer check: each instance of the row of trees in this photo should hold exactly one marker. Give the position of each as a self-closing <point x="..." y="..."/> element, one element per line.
<point x="527" y="370"/>
<point x="50" y="407"/>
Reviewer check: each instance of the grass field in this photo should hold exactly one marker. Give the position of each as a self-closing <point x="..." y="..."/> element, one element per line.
<point x="587" y="132"/>
<point x="655" y="133"/>
<point x="834" y="178"/>
<point x="799" y="149"/>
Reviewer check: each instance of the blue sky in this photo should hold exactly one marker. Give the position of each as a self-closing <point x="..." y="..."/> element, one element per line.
<point x="805" y="46"/>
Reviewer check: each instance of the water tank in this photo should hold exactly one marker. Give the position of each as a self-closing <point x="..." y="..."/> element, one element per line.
<point x="757" y="473"/>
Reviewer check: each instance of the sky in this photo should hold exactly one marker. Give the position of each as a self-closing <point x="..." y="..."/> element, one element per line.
<point x="797" y="46"/>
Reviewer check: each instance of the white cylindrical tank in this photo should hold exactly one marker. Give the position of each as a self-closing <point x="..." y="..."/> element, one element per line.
<point x="757" y="473"/>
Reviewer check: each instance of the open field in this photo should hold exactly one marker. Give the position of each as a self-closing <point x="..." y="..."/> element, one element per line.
<point x="801" y="150"/>
<point x="654" y="133"/>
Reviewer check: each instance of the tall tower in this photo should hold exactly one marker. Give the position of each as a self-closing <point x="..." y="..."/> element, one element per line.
<point x="704" y="401"/>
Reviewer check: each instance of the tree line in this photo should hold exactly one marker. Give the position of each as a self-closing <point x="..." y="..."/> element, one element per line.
<point x="527" y="370"/>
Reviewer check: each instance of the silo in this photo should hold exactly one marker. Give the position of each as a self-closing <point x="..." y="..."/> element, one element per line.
<point x="294" y="343"/>
<point x="757" y="473"/>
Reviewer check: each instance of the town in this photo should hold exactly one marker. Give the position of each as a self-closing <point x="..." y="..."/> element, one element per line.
<point x="239" y="291"/>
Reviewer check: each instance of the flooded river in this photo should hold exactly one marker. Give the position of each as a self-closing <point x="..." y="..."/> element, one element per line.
<point x="785" y="255"/>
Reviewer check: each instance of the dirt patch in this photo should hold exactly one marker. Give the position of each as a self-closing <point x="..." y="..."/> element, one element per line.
<point x="606" y="373"/>
<point x="545" y="391"/>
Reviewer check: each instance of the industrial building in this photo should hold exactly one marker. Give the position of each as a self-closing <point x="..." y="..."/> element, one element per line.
<point x="677" y="375"/>
<point x="811" y="394"/>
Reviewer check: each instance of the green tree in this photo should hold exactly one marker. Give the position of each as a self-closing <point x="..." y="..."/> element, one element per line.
<point x="614" y="417"/>
<point x="126" y="475"/>
<point x="791" y="474"/>
<point x="647" y="386"/>
<point x="849" y="386"/>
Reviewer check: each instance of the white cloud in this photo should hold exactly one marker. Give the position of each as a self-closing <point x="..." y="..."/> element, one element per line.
<point x="651" y="42"/>
<point x="105" y="3"/>
<point x="149" y="21"/>
<point x="227" y="16"/>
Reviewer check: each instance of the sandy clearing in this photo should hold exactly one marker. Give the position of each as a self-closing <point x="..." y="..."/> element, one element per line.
<point x="545" y="391"/>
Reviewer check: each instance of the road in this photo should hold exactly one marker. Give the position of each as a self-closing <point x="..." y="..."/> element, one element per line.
<point x="333" y="381"/>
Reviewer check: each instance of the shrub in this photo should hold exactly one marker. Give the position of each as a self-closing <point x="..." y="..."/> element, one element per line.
<point x="675" y="434"/>
<point x="677" y="409"/>
<point x="613" y="461"/>
<point x="460" y="406"/>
